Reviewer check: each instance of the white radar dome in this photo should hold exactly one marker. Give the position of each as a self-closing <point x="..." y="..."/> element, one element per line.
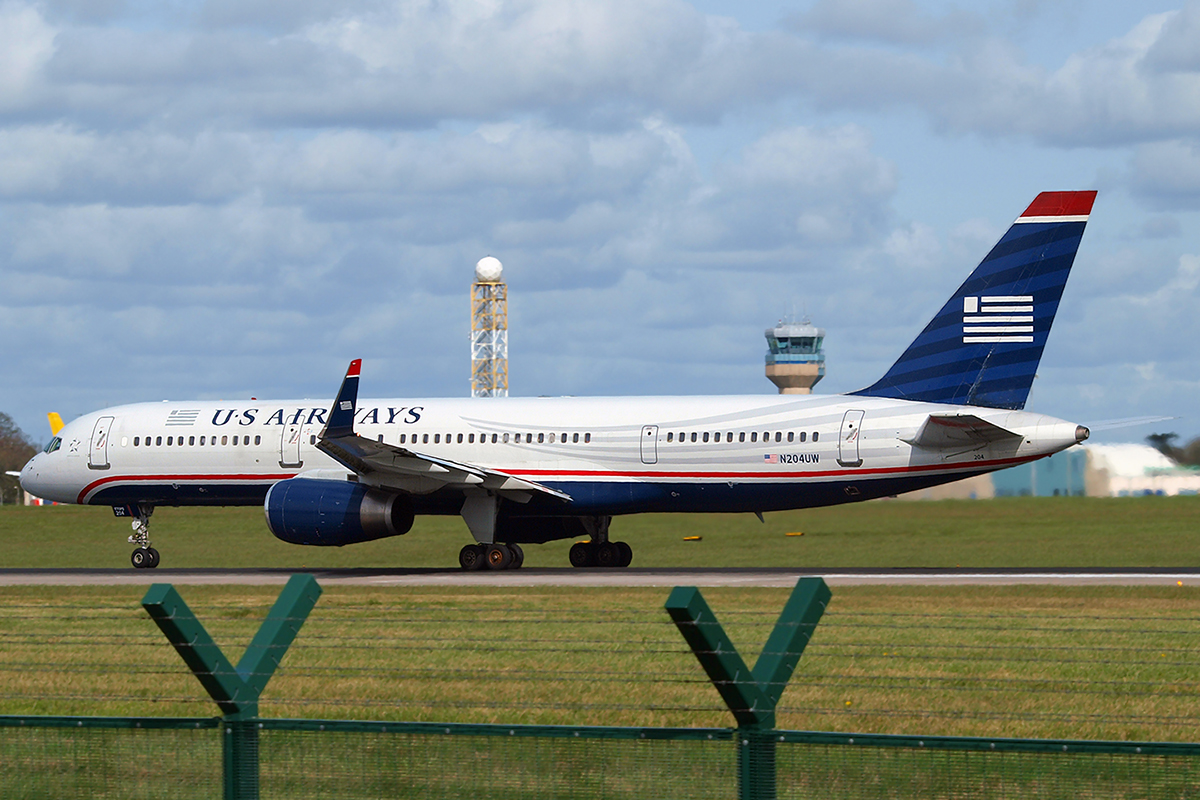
<point x="488" y="270"/>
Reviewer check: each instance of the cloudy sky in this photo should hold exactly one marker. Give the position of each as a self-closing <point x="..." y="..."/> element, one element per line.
<point x="234" y="198"/>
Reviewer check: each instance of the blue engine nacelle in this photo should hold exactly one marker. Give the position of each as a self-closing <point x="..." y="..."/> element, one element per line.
<point x="329" y="512"/>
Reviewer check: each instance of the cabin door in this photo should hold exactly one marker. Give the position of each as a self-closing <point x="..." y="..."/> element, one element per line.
<point x="289" y="445"/>
<point x="848" y="440"/>
<point x="649" y="444"/>
<point x="98" y="454"/>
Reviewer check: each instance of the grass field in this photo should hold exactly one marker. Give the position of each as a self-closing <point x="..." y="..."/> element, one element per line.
<point x="1060" y="662"/>
<point x="1118" y="663"/>
<point x="1006" y="532"/>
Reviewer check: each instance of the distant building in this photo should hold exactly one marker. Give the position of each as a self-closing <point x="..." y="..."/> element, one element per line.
<point x="1131" y="470"/>
<point x="795" y="356"/>
<point x="1061" y="475"/>
<point x="1094" y="470"/>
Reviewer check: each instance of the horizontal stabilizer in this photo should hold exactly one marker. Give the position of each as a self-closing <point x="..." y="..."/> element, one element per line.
<point x="956" y="430"/>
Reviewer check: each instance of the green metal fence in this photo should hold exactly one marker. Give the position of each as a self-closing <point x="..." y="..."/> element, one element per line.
<point x="57" y="757"/>
<point x="244" y="757"/>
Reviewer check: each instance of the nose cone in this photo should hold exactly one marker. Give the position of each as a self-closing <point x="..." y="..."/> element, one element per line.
<point x="29" y="476"/>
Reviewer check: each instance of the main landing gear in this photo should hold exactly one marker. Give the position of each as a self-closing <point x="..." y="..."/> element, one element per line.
<point x="599" y="551"/>
<point x="491" y="556"/>
<point x="145" y="556"/>
<point x="601" y="554"/>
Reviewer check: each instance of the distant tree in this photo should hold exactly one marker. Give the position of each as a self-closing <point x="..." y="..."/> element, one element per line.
<point x="1164" y="443"/>
<point x="1190" y="453"/>
<point x="15" y="450"/>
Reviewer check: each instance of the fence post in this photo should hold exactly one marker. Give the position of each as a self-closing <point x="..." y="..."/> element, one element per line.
<point x="235" y="690"/>
<point x="751" y="694"/>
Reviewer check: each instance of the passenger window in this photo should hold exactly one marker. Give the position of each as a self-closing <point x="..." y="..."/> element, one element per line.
<point x="791" y="436"/>
<point x="551" y="438"/>
<point x="135" y="440"/>
<point x="706" y="436"/>
<point x="437" y="438"/>
<point x="529" y="438"/>
<point x="158" y="441"/>
<point x="224" y="440"/>
<point x="258" y="440"/>
<point x="201" y="441"/>
<point x="506" y="438"/>
<point x="168" y="441"/>
<point x="191" y="441"/>
<point x="380" y="438"/>
<point x="778" y="436"/>
<point x="815" y="435"/>
<point x="425" y="439"/>
<point x="495" y="438"/>
<point x="459" y="438"/>
<point x="575" y="438"/>
<point x="471" y="439"/>
<point x="729" y="436"/>
<point x="753" y="436"/>
<point x="670" y="435"/>
<point x="742" y="436"/>
<point x="587" y="438"/>
<point x="541" y="438"/>
<point x="693" y="436"/>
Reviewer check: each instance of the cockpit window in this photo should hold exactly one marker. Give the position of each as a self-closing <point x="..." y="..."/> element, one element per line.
<point x="55" y="443"/>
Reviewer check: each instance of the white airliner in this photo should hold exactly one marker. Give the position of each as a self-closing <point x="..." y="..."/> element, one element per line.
<point x="533" y="470"/>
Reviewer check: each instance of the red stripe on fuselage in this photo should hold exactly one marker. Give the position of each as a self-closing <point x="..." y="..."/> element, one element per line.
<point x="833" y="473"/>
<point x="583" y="473"/>
<point x="91" y="487"/>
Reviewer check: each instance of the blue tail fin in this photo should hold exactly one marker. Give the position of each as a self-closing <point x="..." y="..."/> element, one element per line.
<point x="983" y="347"/>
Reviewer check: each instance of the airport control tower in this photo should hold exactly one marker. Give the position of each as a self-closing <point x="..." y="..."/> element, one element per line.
<point x="795" y="360"/>
<point x="489" y="330"/>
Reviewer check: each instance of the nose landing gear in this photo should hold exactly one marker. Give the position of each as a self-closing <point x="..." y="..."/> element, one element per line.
<point x="145" y="556"/>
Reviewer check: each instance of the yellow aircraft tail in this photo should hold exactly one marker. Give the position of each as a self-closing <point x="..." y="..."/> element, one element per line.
<point x="56" y="423"/>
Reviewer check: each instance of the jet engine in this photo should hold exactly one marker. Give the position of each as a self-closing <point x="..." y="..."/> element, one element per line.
<point x="331" y="512"/>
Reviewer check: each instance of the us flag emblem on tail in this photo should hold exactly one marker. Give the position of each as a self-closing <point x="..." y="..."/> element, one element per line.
<point x="1002" y="318"/>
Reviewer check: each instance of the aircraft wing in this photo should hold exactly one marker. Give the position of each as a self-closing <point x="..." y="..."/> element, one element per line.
<point x="396" y="467"/>
<point x="957" y="430"/>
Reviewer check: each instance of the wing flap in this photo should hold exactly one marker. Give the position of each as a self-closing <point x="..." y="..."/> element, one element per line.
<point x="956" y="430"/>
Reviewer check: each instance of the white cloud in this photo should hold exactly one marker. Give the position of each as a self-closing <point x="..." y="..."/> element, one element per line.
<point x="1168" y="172"/>
<point x="889" y="21"/>
<point x="26" y="44"/>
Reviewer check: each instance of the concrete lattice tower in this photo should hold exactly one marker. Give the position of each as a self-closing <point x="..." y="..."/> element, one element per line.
<point x="795" y="358"/>
<point x="489" y="330"/>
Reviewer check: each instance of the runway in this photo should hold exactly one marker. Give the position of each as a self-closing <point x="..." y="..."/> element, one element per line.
<point x="761" y="577"/>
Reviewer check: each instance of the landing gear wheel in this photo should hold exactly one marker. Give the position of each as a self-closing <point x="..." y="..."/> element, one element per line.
<point x="518" y="556"/>
<point x="154" y="558"/>
<point x="140" y="558"/>
<point x="498" y="556"/>
<point x="624" y="554"/>
<point x="606" y="554"/>
<point x="582" y="555"/>
<point x="471" y="557"/>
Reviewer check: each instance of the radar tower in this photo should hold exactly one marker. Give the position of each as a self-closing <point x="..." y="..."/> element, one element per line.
<point x="489" y="330"/>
